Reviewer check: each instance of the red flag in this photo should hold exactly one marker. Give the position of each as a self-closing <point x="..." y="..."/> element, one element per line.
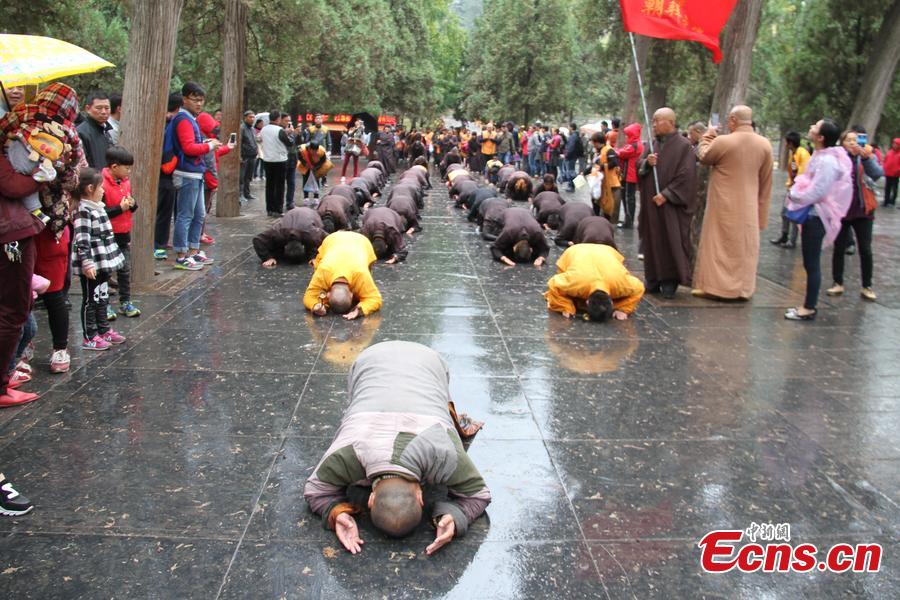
<point x="693" y="20"/>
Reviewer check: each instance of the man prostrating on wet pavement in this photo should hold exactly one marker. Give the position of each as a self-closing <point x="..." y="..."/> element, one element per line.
<point x="400" y="431"/>
<point x="342" y="282"/>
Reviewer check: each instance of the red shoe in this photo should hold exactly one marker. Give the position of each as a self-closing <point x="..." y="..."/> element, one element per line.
<point x="15" y="398"/>
<point x="207" y="239"/>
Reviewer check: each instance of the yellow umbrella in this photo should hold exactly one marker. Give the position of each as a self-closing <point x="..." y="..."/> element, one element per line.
<point x="32" y="59"/>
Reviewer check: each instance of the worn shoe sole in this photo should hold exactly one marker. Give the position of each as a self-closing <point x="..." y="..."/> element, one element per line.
<point x="15" y="513"/>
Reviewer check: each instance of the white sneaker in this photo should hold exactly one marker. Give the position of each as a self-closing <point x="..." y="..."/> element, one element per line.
<point x="202" y="259"/>
<point x="59" y="361"/>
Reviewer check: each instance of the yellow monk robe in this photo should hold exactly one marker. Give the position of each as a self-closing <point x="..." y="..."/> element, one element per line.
<point x="348" y="255"/>
<point x="587" y="268"/>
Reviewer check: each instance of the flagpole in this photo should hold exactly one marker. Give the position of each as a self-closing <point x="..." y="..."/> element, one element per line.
<point x="637" y="69"/>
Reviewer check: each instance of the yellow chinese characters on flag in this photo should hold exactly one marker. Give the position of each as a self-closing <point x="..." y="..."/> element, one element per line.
<point x="672" y="9"/>
<point x="694" y="20"/>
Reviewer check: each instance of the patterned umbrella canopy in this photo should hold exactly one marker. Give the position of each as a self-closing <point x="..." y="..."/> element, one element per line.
<point x="31" y="59"/>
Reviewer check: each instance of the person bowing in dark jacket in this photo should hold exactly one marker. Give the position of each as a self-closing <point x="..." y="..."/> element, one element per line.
<point x="384" y="228"/>
<point x="521" y="239"/>
<point x="295" y="238"/>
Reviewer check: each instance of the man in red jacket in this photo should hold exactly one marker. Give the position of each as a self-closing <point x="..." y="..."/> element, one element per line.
<point x="189" y="147"/>
<point x="892" y="173"/>
<point x="629" y="155"/>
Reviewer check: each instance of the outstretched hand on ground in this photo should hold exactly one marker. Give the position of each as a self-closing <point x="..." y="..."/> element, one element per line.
<point x="446" y="528"/>
<point x="347" y="533"/>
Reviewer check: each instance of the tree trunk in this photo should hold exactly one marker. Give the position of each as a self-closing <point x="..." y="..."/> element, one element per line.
<point x="879" y="74"/>
<point x="658" y="74"/>
<point x="631" y="111"/>
<point x="228" y="202"/>
<point x="737" y="50"/>
<point x="151" y="54"/>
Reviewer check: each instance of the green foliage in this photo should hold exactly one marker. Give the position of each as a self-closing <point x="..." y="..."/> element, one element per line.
<point x="520" y="64"/>
<point x="810" y="60"/>
<point x="522" y="59"/>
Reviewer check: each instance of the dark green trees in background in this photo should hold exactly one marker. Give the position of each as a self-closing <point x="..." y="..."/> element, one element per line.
<point x="520" y="60"/>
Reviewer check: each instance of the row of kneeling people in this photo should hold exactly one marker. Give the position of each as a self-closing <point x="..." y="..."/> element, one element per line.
<point x="342" y="258"/>
<point x="592" y="276"/>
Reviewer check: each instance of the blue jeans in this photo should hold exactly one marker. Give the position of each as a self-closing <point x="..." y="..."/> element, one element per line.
<point x="506" y="157"/>
<point x="29" y="330"/>
<point x="812" y="234"/>
<point x="567" y="168"/>
<point x="534" y="163"/>
<point x="190" y="212"/>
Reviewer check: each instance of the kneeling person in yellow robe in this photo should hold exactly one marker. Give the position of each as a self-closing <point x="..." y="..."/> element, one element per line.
<point x="593" y="277"/>
<point x="342" y="281"/>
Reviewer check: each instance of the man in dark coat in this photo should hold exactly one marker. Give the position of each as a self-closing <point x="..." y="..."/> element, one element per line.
<point x="94" y="131"/>
<point x="384" y="228"/>
<point x="595" y="230"/>
<point x="361" y="190"/>
<point x="475" y="200"/>
<point x="405" y="206"/>
<point x="465" y="191"/>
<point x="503" y="177"/>
<point x="410" y="189"/>
<point x="490" y="217"/>
<point x="337" y="213"/>
<point x="295" y="238"/>
<point x="371" y="177"/>
<point x="665" y="217"/>
<point x="546" y="207"/>
<point x="521" y="239"/>
<point x="570" y="215"/>
<point x="384" y="147"/>
<point x="519" y="187"/>
<point x="342" y="189"/>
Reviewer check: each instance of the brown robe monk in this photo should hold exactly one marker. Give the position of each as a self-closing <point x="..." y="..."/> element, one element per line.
<point x="518" y="224"/>
<point x="666" y="230"/>
<point x="546" y="206"/>
<point x="340" y="211"/>
<point x="595" y="230"/>
<point x="570" y="215"/>
<point x="405" y="206"/>
<point x="385" y="223"/>
<point x="737" y="209"/>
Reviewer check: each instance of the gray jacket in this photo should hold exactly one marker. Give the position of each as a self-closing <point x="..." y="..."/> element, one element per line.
<point x="398" y="422"/>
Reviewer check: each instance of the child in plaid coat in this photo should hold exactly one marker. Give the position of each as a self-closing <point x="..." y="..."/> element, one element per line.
<point x="95" y="256"/>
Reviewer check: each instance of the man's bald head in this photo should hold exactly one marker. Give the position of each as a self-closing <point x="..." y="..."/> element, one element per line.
<point x="664" y="121"/>
<point x="739" y="116"/>
<point x="340" y="298"/>
<point x="396" y="506"/>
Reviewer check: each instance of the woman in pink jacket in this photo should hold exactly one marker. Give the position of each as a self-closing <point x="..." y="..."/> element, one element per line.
<point x="818" y="201"/>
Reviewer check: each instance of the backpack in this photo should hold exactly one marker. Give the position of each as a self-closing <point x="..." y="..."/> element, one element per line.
<point x="169" y="159"/>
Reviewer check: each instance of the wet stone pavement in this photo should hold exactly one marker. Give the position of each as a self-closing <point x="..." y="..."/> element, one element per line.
<point x="174" y="466"/>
